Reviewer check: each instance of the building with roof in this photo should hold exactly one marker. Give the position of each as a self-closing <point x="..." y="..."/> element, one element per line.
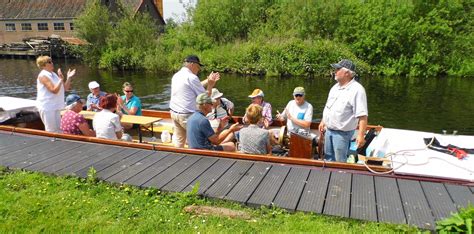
<point x="21" y="19"/>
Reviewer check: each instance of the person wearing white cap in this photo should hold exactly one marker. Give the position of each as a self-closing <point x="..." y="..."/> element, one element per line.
<point x="222" y="109"/>
<point x="94" y="97"/>
<point x="257" y="98"/>
<point x="298" y="112"/>
<point x="345" y="111"/>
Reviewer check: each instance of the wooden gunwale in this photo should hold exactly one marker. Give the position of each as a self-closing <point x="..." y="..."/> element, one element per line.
<point x="233" y="155"/>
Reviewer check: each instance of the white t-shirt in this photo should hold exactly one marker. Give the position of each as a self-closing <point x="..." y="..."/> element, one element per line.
<point x="303" y="112"/>
<point x="214" y="118"/>
<point x="106" y="124"/>
<point x="45" y="99"/>
<point x="344" y="106"/>
<point x="185" y="87"/>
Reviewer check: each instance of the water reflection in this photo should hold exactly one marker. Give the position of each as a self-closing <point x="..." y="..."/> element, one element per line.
<point x="421" y="104"/>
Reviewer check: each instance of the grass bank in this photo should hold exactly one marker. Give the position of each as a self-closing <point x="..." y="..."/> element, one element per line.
<point x="33" y="202"/>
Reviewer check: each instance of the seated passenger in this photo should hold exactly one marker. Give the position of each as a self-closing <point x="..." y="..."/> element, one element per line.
<point x="222" y="109"/>
<point x="253" y="139"/>
<point x="107" y="123"/>
<point x="129" y="104"/>
<point x="72" y="122"/>
<point x="200" y="134"/>
<point x="257" y="98"/>
<point x="94" y="97"/>
<point x="298" y="112"/>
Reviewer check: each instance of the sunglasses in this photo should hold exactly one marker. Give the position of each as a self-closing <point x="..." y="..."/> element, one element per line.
<point x="298" y="95"/>
<point x="128" y="91"/>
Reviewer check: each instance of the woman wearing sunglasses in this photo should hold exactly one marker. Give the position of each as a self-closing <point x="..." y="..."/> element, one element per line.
<point x="129" y="103"/>
<point x="50" y="93"/>
<point x="298" y="112"/>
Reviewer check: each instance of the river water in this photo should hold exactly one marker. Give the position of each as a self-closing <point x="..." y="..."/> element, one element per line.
<point x="425" y="104"/>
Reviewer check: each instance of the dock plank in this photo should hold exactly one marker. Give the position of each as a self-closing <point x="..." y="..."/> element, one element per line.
<point x="15" y="143"/>
<point x="338" y="197"/>
<point x="107" y="162"/>
<point x="75" y="158"/>
<point x="363" y="205"/>
<point x="314" y="192"/>
<point x="461" y="195"/>
<point x="188" y="176"/>
<point x="123" y="164"/>
<point x="86" y="162"/>
<point x="292" y="189"/>
<point x="171" y="172"/>
<point x="138" y="167"/>
<point x="242" y="191"/>
<point x="389" y="202"/>
<point x="155" y="169"/>
<point x="26" y="156"/>
<point x="210" y="176"/>
<point x="64" y="156"/>
<point x="416" y="206"/>
<point x="269" y="187"/>
<point x="439" y="200"/>
<point x="227" y="181"/>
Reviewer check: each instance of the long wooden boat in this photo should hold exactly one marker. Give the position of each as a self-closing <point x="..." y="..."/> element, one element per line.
<point x="36" y="128"/>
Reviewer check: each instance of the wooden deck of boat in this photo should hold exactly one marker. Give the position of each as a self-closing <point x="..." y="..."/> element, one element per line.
<point x="295" y="188"/>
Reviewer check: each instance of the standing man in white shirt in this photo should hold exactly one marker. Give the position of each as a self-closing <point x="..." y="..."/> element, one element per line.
<point x="185" y="87"/>
<point x="345" y="109"/>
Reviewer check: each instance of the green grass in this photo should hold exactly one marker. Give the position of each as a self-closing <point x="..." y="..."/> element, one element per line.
<point x="34" y="202"/>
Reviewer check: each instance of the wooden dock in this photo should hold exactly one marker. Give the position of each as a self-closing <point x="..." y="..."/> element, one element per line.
<point x="295" y="188"/>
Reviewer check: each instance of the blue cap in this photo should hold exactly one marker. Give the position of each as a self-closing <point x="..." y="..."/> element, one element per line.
<point x="72" y="98"/>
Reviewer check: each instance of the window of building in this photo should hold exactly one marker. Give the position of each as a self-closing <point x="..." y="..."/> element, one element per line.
<point x="10" y="27"/>
<point x="71" y="26"/>
<point x="42" y="26"/>
<point x="26" y="26"/>
<point x="58" y="26"/>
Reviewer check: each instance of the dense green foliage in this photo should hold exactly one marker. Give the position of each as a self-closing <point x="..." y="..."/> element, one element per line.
<point x="32" y="203"/>
<point x="462" y="222"/>
<point x="414" y="38"/>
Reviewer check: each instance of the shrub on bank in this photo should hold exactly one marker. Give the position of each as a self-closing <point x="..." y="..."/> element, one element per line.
<point x="412" y="38"/>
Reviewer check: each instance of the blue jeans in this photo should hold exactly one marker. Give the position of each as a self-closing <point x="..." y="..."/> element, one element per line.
<point x="336" y="145"/>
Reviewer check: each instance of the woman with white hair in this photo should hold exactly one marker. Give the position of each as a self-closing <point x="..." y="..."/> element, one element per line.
<point x="72" y="122"/>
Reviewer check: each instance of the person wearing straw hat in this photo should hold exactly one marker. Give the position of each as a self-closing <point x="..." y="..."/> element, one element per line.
<point x="94" y="97"/>
<point x="185" y="87"/>
<point x="200" y="134"/>
<point x="222" y="110"/>
<point x="298" y="112"/>
<point x="344" y="112"/>
<point x="257" y="98"/>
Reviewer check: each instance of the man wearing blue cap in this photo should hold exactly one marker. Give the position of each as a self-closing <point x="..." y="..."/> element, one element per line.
<point x="185" y="87"/>
<point x="345" y="110"/>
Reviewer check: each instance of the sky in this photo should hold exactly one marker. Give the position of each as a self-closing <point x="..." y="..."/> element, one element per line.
<point x="175" y="9"/>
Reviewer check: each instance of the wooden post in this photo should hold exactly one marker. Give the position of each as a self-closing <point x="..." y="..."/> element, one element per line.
<point x="301" y="146"/>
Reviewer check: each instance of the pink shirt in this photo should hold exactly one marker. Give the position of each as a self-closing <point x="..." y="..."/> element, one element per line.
<point x="70" y="122"/>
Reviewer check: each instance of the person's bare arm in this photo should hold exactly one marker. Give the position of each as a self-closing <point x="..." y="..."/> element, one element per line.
<point x="86" y="131"/>
<point x="218" y="138"/>
<point x="360" y="140"/>
<point x="49" y="85"/>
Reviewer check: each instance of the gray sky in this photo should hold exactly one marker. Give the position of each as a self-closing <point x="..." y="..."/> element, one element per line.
<point x="175" y="9"/>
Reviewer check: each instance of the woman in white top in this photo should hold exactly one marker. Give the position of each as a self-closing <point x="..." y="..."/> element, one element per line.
<point x="106" y="123"/>
<point x="50" y="93"/>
